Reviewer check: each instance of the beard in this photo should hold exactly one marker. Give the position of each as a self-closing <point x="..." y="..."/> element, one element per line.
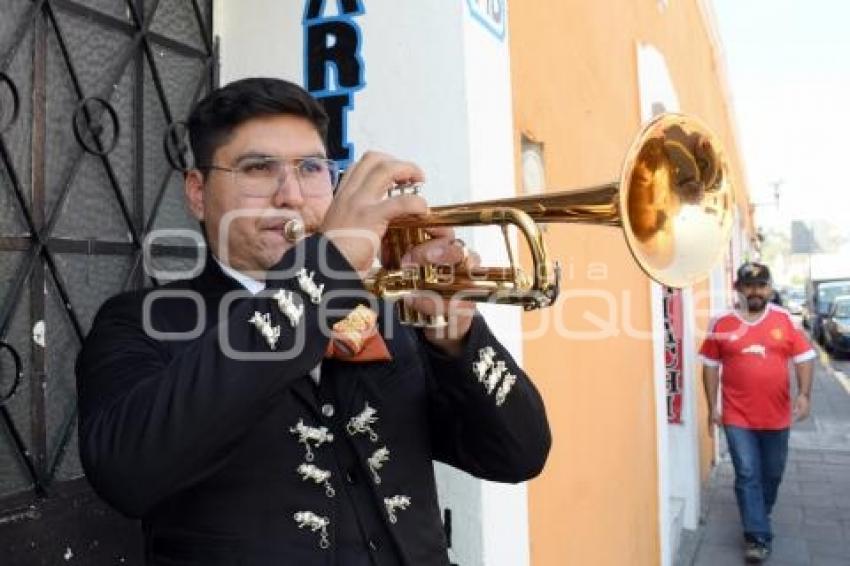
<point x="756" y="304"/>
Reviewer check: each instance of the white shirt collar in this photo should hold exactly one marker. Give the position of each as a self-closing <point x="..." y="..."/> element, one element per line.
<point x="249" y="283"/>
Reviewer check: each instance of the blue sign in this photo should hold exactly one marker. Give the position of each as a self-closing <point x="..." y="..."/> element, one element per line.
<point x="333" y="67"/>
<point x="491" y="14"/>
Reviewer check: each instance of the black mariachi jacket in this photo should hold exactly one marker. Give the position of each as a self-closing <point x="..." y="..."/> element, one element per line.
<point x="246" y="461"/>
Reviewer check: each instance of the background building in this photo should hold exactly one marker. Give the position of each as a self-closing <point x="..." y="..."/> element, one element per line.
<point x="492" y="100"/>
<point x="621" y="481"/>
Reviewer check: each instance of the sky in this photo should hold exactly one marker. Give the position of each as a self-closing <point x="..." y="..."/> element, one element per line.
<point x="788" y="69"/>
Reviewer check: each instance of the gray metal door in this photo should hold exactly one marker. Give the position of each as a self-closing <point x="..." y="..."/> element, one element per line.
<point x="92" y="95"/>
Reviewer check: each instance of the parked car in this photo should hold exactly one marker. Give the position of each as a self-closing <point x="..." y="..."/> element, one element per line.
<point x="794" y="300"/>
<point x="836" y="326"/>
<point x="820" y="299"/>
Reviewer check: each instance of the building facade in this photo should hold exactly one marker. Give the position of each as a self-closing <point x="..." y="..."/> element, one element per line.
<point x="619" y="373"/>
<point x="492" y="99"/>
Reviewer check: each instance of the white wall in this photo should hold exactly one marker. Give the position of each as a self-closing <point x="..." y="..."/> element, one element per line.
<point x="437" y="92"/>
<point x="504" y="523"/>
<point x="720" y="299"/>
<point x="678" y="446"/>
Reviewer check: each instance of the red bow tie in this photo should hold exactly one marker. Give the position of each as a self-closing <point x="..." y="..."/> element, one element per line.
<point x="356" y="339"/>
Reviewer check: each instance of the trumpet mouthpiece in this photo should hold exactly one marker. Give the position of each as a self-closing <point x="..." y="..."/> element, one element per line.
<point x="293" y="230"/>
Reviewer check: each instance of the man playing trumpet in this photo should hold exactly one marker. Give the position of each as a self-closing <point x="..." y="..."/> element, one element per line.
<point x="257" y="414"/>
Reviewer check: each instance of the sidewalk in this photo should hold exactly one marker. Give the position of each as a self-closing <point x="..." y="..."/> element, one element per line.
<point x="811" y="518"/>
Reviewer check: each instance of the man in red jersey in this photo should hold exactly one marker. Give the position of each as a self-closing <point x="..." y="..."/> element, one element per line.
<point x="752" y="345"/>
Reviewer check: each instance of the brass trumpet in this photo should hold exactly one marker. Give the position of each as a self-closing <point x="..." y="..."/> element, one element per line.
<point x="673" y="201"/>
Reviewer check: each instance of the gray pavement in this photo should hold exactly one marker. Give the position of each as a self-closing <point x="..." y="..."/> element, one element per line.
<point x="812" y="515"/>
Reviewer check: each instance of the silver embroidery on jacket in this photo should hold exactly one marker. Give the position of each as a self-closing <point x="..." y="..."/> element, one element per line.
<point x="505" y="388"/>
<point x="315" y="523"/>
<point x="307" y="434"/>
<point x="489" y="372"/>
<point x="305" y="281"/>
<point x="287" y="306"/>
<point x="495" y="375"/>
<point x="361" y="424"/>
<point x="377" y="460"/>
<point x="396" y="502"/>
<point x="264" y="325"/>
<point x="484" y="363"/>
<point x="318" y="475"/>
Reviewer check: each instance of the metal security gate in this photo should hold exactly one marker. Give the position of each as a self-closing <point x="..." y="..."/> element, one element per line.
<point x="92" y="95"/>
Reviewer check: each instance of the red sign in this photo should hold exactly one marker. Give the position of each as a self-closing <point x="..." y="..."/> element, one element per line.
<point x="673" y="335"/>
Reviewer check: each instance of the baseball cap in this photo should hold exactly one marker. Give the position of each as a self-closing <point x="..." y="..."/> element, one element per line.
<point x="752" y="272"/>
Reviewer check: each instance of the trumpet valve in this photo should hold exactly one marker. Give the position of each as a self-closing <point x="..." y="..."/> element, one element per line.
<point x="413" y="188"/>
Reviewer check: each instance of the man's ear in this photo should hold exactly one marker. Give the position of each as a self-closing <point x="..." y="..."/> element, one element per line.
<point x="193" y="188"/>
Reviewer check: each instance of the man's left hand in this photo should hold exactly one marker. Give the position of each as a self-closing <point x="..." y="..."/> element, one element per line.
<point x="801" y="408"/>
<point x="444" y="249"/>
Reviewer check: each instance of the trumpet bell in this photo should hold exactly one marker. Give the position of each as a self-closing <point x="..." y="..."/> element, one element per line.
<point x="676" y="201"/>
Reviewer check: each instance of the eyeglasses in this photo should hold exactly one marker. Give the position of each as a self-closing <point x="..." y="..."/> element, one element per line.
<point x="261" y="177"/>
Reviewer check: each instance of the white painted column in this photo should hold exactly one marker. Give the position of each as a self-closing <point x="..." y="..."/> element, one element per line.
<point x="720" y="300"/>
<point x="677" y="444"/>
<point x="662" y="433"/>
<point x="687" y="483"/>
<point x="435" y="90"/>
<point x="504" y="508"/>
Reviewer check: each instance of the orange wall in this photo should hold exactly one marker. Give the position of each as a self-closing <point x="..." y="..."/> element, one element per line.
<point x="574" y="76"/>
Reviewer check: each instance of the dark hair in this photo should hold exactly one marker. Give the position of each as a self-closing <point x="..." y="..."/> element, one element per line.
<point x="214" y="118"/>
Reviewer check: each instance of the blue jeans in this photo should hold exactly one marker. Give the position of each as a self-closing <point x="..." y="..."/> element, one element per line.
<point x="758" y="457"/>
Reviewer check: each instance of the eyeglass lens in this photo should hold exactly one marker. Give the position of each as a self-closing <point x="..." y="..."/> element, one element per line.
<point x="262" y="177"/>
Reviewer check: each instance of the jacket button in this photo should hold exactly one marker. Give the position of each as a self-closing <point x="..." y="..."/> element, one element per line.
<point x="374" y="544"/>
<point x="328" y="410"/>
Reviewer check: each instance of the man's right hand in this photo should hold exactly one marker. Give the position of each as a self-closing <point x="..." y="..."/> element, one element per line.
<point x="360" y="212"/>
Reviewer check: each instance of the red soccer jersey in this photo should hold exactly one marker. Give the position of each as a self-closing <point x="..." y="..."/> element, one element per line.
<point x="754" y="358"/>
